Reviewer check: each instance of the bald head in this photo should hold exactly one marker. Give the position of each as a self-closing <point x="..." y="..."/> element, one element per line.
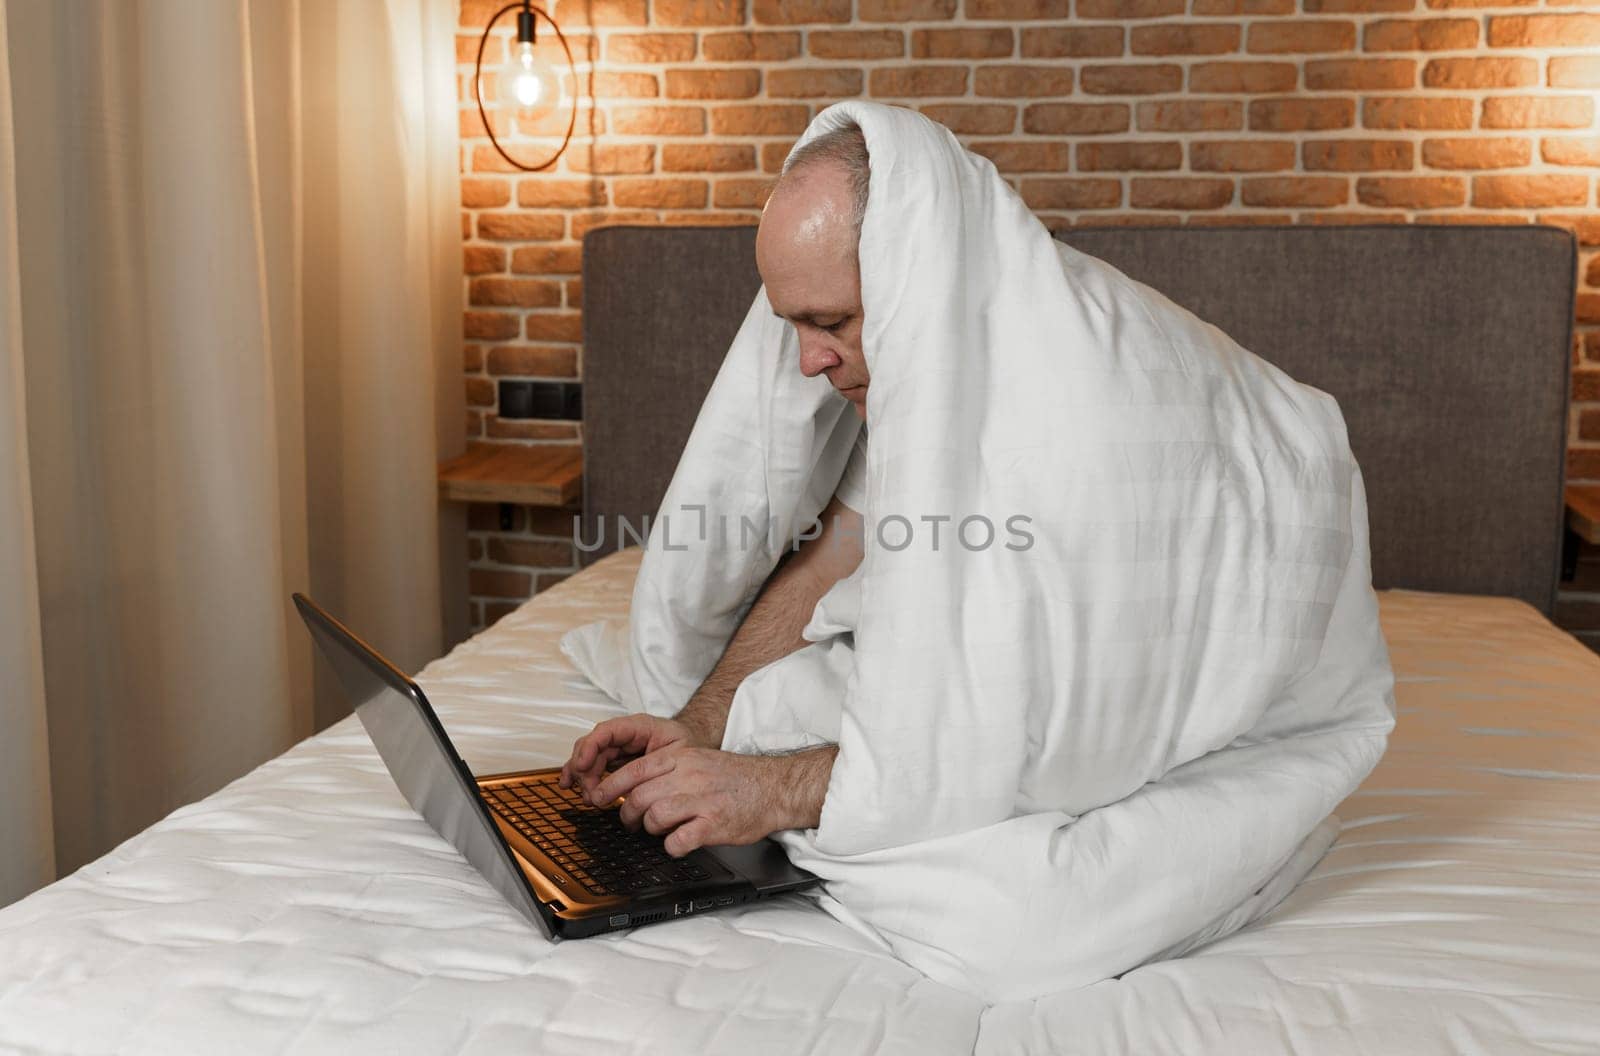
<point x="807" y="252"/>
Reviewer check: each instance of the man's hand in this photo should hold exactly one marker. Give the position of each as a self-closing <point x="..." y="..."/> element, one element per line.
<point x="700" y="797"/>
<point x="627" y="735"/>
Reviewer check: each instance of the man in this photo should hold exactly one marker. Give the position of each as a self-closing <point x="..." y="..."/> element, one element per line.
<point x="682" y="785"/>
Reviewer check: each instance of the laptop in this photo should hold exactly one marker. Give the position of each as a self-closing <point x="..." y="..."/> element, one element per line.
<point x="573" y="870"/>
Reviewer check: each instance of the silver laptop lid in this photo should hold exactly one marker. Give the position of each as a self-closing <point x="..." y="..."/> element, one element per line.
<point x="420" y="757"/>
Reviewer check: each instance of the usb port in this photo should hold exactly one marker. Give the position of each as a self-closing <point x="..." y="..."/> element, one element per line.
<point x="724" y="900"/>
<point x="683" y="909"/>
<point x="702" y="903"/>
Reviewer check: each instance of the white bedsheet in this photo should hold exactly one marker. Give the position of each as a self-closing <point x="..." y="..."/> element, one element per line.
<point x="306" y="909"/>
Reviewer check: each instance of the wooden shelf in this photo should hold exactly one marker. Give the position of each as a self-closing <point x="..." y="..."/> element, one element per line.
<point x="519" y="474"/>
<point x="1583" y="511"/>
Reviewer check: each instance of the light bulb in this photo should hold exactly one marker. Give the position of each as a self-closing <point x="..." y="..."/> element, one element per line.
<point x="533" y="82"/>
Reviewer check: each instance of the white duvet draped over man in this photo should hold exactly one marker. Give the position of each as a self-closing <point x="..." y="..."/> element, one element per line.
<point x="1107" y="727"/>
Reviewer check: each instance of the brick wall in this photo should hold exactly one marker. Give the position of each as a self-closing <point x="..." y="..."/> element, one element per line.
<point x="1106" y="111"/>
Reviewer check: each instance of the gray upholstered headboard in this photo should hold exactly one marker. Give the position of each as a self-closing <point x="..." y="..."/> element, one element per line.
<point x="1447" y="348"/>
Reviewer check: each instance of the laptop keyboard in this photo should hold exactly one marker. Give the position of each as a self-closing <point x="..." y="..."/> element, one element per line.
<point x="589" y="843"/>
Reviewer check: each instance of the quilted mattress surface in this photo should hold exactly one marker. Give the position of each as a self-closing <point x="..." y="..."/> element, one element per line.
<point x="305" y="908"/>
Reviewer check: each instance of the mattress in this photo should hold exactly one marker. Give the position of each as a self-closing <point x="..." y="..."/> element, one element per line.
<point x="305" y="908"/>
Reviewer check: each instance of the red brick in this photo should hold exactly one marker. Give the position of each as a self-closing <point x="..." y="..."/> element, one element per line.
<point x="483" y="260"/>
<point x="1411" y="192"/>
<point x="1575" y="71"/>
<point x="1356" y="155"/>
<point x="1281" y="37"/>
<point x="583" y="223"/>
<point x="1129" y="157"/>
<point x="484" y="192"/>
<point x="1424" y="34"/>
<point x="1489" y="71"/>
<point x="543" y="192"/>
<point x="742" y="193"/>
<point x="759" y="120"/>
<point x="1476" y="153"/>
<point x="1017" y="10"/>
<point x="712" y="84"/>
<point x="750" y="47"/>
<point x="1585" y="385"/>
<point x="1589" y="426"/>
<point x="650" y="47"/>
<point x="1541" y="31"/>
<point x="659" y="120"/>
<point x="473" y="424"/>
<point x="1120" y="9"/>
<point x="513" y="293"/>
<point x="533" y="361"/>
<point x="1318" y="192"/>
<point x="556" y="326"/>
<point x="919" y="80"/>
<point x="1214" y="8"/>
<point x="489" y="326"/>
<point x="1240" y="156"/>
<point x="597" y="13"/>
<point x="1190" y="38"/>
<point x="1022" y="81"/>
<point x="606" y="85"/>
<point x="1416" y="112"/>
<point x="704" y="218"/>
<point x="547" y="580"/>
<point x="697" y="12"/>
<point x="905" y="10"/>
<point x="1176" y="192"/>
<point x="1360" y="7"/>
<point x="707" y="157"/>
<point x="799" y="12"/>
<point x="961" y="43"/>
<point x="660" y="193"/>
<point x="1148" y="79"/>
<point x="1026" y="157"/>
<point x="989" y="119"/>
<point x="773" y="156"/>
<point x="1528" y="111"/>
<point x="813" y="83"/>
<point x="1586" y="226"/>
<point x="524" y="429"/>
<point x="1188" y="115"/>
<point x="480" y="392"/>
<point x="535" y="553"/>
<point x="1523" y="192"/>
<point x="547" y="260"/>
<point x="520" y="227"/>
<point x="472" y="357"/>
<point x="1243" y="78"/>
<point x="1360" y="74"/>
<point x="1055" y="42"/>
<point x="1071" y="194"/>
<point x="609" y="159"/>
<point x="1583" y="463"/>
<point x="495" y="583"/>
<point x="856" y="44"/>
<point x="1571" y="150"/>
<point x="1081" y="119"/>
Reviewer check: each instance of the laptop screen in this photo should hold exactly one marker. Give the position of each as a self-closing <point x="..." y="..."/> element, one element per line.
<point x="419" y="756"/>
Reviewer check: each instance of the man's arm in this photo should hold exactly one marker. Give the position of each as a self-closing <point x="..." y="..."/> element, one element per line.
<point x="727" y="798"/>
<point x="771" y="629"/>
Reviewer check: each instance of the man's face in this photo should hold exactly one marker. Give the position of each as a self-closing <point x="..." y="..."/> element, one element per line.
<point x="806" y="252"/>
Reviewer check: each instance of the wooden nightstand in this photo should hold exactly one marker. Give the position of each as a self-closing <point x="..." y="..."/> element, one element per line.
<point x="514" y="475"/>
<point x="1583" y="523"/>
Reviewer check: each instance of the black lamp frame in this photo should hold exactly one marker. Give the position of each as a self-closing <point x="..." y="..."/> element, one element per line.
<point x="526" y="22"/>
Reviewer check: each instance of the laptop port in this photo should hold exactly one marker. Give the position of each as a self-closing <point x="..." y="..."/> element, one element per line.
<point x="618" y="920"/>
<point x="702" y="903"/>
<point x="725" y="900"/>
<point x="683" y="909"/>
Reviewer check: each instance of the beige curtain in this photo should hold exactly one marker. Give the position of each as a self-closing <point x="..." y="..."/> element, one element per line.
<point x="231" y="309"/>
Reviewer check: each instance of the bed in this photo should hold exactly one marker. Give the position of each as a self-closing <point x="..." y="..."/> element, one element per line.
<point x="305" y="908"/>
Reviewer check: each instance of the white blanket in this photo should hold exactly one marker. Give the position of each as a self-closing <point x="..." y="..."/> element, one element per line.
<point x="1107" y="727"/>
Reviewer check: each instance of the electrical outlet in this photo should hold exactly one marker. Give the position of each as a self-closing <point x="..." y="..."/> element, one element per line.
<point x="541" y="399"/>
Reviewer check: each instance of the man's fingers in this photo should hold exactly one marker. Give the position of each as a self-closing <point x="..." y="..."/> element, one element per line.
<point x="688" y="837"/>
<point x="622" y="781"/>
<point x="667" y="813"/>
